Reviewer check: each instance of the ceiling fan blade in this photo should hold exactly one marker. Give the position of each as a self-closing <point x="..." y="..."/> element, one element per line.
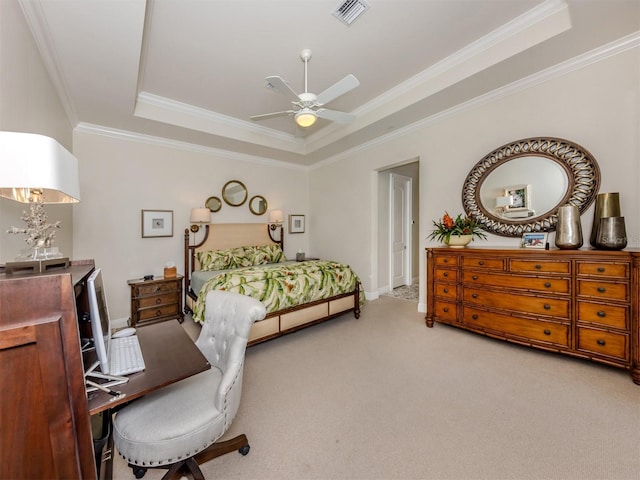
<point x="339" y="88"/>
<point x="280" y="85"/>
<point x="272" y="115"/>
<point x="335" y="116"/>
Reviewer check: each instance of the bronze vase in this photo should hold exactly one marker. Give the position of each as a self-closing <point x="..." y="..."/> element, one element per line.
<point x="612" y="234"/>
<point x="607" y="205"/>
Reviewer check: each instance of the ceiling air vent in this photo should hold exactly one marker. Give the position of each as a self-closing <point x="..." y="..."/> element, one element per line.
<point x="349" y="10"/>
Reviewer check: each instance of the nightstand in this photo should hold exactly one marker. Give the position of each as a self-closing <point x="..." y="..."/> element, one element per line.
<point x="156" y="300"/>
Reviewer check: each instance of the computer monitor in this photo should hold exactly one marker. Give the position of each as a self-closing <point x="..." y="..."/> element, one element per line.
<point x="100" y="321"/>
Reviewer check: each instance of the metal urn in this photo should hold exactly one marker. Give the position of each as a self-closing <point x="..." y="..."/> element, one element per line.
<point x="568" y="228"/>
<point x="612" y="234"/>
<point x="607" y="205"/>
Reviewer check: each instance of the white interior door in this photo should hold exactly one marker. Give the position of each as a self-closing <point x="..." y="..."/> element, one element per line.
<point x="400" y="230"/>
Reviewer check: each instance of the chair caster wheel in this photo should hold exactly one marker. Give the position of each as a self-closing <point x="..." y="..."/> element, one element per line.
<point x="245" y="449"/>
<point x="138" y="472"/>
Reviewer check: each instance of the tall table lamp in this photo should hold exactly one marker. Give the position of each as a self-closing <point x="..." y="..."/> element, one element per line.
<point x="36" y="169"/>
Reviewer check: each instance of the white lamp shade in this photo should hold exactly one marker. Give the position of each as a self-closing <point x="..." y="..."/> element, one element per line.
<point x="200" y="215"/>
<point x="276" y="216"/>
<point x="29" y="161"/>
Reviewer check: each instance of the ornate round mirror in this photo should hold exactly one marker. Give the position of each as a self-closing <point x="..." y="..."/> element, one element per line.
<point x="234" y="193"/>
<point x="519" y="187"/>
<point x="213" y="203"/>
<point x="258" y="205"/>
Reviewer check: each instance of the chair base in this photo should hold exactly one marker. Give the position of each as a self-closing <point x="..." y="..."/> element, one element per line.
<point x="190" y="467"/>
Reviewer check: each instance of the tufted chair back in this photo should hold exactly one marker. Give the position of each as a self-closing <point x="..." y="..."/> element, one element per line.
<point x="223" y="340"/>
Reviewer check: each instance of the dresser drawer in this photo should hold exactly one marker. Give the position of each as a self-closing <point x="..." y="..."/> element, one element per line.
<point x="603" y="269"/>
<point x="539" y="266"/>
<point x="524" y="328"/>
<point x="446" y="260"/>
<point x="445" y="275"/>
<point x="482" y="263"/>
<point x="605" y="290"/>
<point x="551" y="285"/>
<point x="446" y="290"/>
<point x="445" y="311"/>
<point x="156" y="300"/>
<point x="154" y="288"/>
<point x="603" y="343"/>
<point x="527" y="304"/>
<point x="152" y="313"/>
<point x="616" y="316"/>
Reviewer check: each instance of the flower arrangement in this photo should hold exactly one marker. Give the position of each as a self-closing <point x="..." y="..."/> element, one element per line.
<point x="445" y="228"/>
<point x="39" y="232"/>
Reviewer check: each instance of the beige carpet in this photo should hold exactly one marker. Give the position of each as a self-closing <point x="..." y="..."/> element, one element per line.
<point x="384" y="397"/>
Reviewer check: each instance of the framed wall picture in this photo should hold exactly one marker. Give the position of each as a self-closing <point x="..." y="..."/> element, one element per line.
<point x="157" y="223"/>
<point x="296" y="223"/>
<point x="534" y="240"/>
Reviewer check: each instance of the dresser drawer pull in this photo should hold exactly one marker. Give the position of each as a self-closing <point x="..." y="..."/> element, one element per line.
<point x="446" y="260"/>
<point x="547" y="306"/>
<point x="158" y="301"/>
<point x="547" y="331"/>
<point x="446" y="290"/>
<point x="445" y="274"/>
<point x="601" y="342"/>
<point x="474" y="295"/>
<point x="474" y="316"/>
<point x="601" y="269"/>
<point x="158" y="313"/>
<point x="445" y="309"/>
<point x="547" y="284"/>
<point x="602" y="289"/>
<point x="538" y="267"/>
<point x="480" y="262"/>
<point x="158" y="288"/>
<point x="474" y="277"/>
<point x="601" y="314"/>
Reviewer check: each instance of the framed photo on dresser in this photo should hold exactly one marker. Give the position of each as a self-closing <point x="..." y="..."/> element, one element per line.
<point x="534" y="240"/>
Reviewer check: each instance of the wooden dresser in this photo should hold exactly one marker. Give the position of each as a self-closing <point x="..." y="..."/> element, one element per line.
<point x="156" y="300"/>
<point x="585" y="303"/>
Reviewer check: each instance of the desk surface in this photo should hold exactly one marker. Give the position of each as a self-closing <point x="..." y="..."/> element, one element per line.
<point x="169" y="356"/>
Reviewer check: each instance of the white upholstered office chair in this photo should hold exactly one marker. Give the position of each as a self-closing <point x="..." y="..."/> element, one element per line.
<point x="176" y="427"/>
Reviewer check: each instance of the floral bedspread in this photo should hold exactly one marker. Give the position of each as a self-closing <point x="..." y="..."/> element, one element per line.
<point x="280" y="286"/>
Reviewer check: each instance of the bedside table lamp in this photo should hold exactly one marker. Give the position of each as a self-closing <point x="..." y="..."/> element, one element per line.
<point x="199" y="216"/>
<point x="276" y="221"/>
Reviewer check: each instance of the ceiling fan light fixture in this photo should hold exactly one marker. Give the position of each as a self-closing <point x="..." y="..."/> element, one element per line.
<point x="305" y="117"/>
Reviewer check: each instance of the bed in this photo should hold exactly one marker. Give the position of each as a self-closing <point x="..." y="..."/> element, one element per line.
<point x="246" y="258"/>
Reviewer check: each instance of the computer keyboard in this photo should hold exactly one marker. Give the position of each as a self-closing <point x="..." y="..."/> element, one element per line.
<point x="126" y="356"/>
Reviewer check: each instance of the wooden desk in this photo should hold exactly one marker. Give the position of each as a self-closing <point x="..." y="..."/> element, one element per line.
<point x="169" y="356"/>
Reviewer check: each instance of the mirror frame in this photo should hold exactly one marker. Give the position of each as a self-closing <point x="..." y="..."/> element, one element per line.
<point x="582" y="171"/>
<point x="226" y="198"/>
<point x="212" y="199"/>
<point x="253" y="210"/>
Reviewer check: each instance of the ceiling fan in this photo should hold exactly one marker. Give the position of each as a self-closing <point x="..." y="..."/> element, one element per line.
<point x="308" y="107"/>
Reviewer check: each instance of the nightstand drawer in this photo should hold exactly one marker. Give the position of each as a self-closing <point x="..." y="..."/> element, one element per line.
<point x="155" y="288"/>
<point x="157" y="300"/>
<point x="158" y="312"/>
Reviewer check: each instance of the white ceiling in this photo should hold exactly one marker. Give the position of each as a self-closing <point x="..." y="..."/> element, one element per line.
<point x="193" y="70"/>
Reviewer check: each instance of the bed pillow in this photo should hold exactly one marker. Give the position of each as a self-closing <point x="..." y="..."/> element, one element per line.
<point x="240" y="257"/>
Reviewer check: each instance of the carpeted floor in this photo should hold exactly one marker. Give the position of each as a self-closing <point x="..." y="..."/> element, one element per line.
<point x="384" y="397"/>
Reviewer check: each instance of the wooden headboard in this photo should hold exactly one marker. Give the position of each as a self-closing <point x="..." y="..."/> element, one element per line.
<point x="220" y="236"/>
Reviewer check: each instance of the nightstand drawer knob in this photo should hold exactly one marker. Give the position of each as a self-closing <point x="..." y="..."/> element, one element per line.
<point x="601" y="342"/>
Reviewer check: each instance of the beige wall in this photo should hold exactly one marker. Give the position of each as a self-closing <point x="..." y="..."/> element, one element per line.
<point x="119" y="178"/>
<point x="28" y="103"/>
<point x="596" y="106"/>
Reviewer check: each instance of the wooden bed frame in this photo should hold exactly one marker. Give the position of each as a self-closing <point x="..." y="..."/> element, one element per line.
<point x="228" y="235"/>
